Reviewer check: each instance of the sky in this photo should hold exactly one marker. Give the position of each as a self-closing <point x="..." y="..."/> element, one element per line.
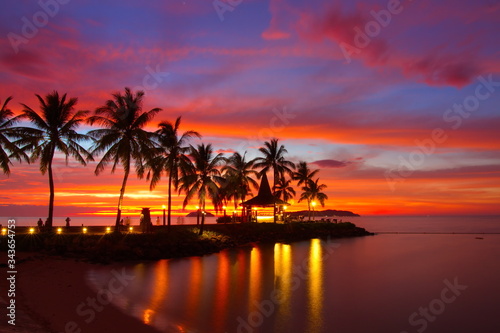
<point x="396" y="102"/>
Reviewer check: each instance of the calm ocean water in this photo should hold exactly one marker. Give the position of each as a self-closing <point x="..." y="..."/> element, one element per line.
<point x="399" y="283"/>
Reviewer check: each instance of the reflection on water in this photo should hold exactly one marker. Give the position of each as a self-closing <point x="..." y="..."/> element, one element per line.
<point x="315" y="287"/>
<point x="370" y="284"/>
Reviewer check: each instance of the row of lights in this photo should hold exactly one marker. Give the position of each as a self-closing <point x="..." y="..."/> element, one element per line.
<point x="60" y="230"/>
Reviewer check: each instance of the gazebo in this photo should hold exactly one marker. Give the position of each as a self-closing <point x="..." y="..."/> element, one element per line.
<point x="264" y="198"/>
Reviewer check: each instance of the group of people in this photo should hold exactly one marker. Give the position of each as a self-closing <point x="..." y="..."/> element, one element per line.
<point x="41" y="224"/>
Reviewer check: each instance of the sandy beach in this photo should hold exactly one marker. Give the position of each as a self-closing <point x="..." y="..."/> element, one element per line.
<point x="48" y="292"/>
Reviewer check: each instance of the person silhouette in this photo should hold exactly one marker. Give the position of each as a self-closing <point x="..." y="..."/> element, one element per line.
<point x="67" y="222"/>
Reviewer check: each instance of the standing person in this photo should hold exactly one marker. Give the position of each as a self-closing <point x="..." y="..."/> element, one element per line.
<point x="67" y="222"/>
<point x="40" y="224"/>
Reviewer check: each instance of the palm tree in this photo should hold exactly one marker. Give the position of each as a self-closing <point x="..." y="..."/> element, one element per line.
<point x="122" y="138"/>
<point x="55" y="129"/>
<point x="303" y="174"/>
<point x="284" y="189"/>
<point x="274" y="159"/>
<point x="9" y="149"/>
<point x="172" y="156"/>
<point x="312" y="192"/>
<point x="238" y="174"/>
<point x="202" y="177"/>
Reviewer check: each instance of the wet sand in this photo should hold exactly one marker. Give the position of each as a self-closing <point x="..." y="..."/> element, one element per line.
<point x="48" y="292"/>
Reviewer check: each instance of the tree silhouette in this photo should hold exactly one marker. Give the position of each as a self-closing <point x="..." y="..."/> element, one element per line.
<point x="9" y="149"/>
<point x="202" y="177"/>
<point x="284" y="189"/>
<point x="172" y="156"/>
<point x="238" y="174"/>
<point x="55" y="130"/>
<point x="122" y="138"/>
<point x="303" y="175"/>
<point x="312" y="192"/>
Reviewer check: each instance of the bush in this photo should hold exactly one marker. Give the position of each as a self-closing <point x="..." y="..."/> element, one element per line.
<point x="224" y="219"/>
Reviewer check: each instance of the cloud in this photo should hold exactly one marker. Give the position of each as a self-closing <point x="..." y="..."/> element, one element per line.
<point x="444" y="70"/>
<point x="331" y="163"/>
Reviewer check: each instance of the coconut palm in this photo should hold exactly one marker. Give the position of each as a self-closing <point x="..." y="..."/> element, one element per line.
<point x="284" y="189"/>
<point x="202" y="177"/>
<point x="9" y="149"/>
<point x="303" y="174"/>
<point x="55" y="130"/>
<point x="238" y="174"/>
<point x="274" y="158"/>
<point x="122" y="138"/>
<point x="312" y="192"/>
<point x="172" y="156"/>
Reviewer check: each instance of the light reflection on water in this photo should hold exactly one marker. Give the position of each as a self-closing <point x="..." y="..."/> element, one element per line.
<point x="370" y="284"/>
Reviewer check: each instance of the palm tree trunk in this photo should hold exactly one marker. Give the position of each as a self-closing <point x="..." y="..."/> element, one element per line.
<point x="202" y="219"/>
<point x="120" y="202"/>
<point x="169" y="205"/>
<point x="48" y="225"/>
<point x="309" y="208"/>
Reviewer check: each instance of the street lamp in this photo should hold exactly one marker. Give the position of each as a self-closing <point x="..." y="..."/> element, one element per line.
<point x="163" y="213"/>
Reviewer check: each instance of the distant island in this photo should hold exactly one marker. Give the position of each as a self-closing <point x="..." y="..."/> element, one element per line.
<point x="327" y="212"/>
<point x="195" y="214"/>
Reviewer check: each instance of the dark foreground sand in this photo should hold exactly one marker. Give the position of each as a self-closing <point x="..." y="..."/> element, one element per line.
<point x="48" y="291"/>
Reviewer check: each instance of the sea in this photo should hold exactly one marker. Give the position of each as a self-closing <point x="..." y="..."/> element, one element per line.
<point x="416" y="274"/>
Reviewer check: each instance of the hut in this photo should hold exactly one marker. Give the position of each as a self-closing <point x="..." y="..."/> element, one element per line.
<point x="264" y="198"/>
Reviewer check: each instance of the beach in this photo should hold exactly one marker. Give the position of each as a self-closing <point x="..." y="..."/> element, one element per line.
<point x="49" y="291"/>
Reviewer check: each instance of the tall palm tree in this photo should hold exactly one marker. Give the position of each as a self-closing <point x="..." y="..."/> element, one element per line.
<point x="274" y="158"/>
<point x="303" y="174"/>
<point x="238" y="173"/>
<point x="312" y="192"/>
<point x="9" y="149"/>
<point x="55" y="129"/>
<point x="284" y="189"/>
<point x="202" y="177"/>
<point x="122" y="138"/>
<point x="172" y="156"/>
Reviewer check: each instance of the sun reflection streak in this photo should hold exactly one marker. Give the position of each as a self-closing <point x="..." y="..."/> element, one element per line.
<point x="195" y="281"/>
<point x="160" y="287"/>
<point x="315" y="286"/>
<point x="283" y="280"/>
<point x="255" y="278"/>
<point x="222" y="292"/>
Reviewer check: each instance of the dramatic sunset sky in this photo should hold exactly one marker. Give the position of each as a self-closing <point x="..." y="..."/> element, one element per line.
<point x="401" y="114"/>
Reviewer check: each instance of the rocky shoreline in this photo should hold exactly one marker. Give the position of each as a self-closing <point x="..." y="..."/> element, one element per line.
<point x="178" y="241"/>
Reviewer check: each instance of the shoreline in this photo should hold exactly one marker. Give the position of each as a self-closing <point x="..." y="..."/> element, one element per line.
<point x="51" y="283"/>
